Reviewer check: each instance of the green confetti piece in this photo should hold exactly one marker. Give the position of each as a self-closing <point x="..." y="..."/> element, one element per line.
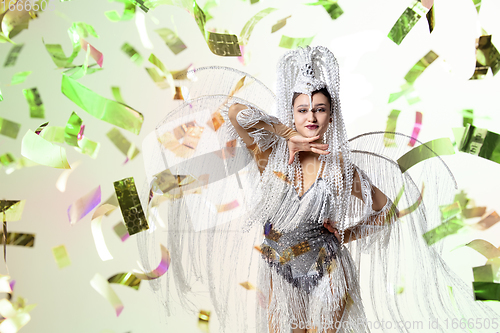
<point x="173" y="41"/>
<point x="389" y="139"/>
<point x="461" y="198"/>
<point x="420" y="66"/>
<point x="130" y="206"/>
<point x="13" y="55"/>
<point x="1" y="96"/>
<point x="121" y="142"/>
<point x="468" y="117"/>
<point x="61" y="256"/>
<point x="88" y="147"/>
<point x="19" y="78"/>
<point x="483" y="273"/>
<point x="293" y="43"/>
<point x="37" y="110"/>
<point x="486" y="291"/>
<point x="477" y="4"/>
<point x="406" y="22"/>
<point x="53" y="134"/>
<point x="132" y="53"/>
<point x="117" y="95"/>
<point x="102" y="108"/>
<point x="9" y="128"/>
<point x="449" y="211"/>
<point x="250" y="25"/>
<point x="72" y="129"/>
<point x="443" y="230"/>
<point x="157" y="77"/>
<point x="41" y="151"/>
<point x="7" y="159"/>
<point x="425" y="151"/>
<point x="480" y="142"/>
<point x="128" y="12"/>
<point x="331" y="6"/>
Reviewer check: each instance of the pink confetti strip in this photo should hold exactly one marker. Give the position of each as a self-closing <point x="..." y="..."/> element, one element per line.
<point x="416" y="129"/>
<point x="160" y="270"/>
<point x="84" y="205"/>
<point x="94" y="53"/>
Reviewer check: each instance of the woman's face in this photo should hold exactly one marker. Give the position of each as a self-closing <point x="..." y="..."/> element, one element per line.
<point x="314" y="122"/>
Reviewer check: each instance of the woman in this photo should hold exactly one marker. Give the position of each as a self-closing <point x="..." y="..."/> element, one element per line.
<point x="312" y="192"/>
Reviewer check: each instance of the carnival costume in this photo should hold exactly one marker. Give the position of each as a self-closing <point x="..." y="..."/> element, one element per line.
<point x="250" y="234"/>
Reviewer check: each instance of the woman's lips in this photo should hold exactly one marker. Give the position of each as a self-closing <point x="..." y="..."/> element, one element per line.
<point x="312" y="126"/>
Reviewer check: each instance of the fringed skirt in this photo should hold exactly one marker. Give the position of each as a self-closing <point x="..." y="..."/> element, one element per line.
<point x="308" y="282"/>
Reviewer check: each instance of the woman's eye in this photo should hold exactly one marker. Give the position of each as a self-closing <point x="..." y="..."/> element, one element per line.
<point x="320" y="110"/>
<point x="302" y="110"/>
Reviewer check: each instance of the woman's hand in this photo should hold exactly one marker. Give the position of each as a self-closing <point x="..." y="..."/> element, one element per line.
<point x="299" y="143"/>
<point x="328" y="225"/>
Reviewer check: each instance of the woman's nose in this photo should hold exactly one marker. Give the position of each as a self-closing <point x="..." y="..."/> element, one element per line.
<point x="311" y="116"/>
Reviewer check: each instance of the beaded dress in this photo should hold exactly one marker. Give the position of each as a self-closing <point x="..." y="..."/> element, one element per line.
<point x="260" y="250"/>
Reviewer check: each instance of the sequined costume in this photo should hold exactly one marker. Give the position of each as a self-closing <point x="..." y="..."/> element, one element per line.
<point x="239" y="227"/>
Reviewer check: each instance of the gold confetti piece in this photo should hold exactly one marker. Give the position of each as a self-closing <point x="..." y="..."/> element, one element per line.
<point x="61" y="256"/>
<point x="18" y="239"/>
<point x="128" y="12"/>
<point x="223" y="44"/>
<point x="19" y="78"/>
<point x="12" y="210"/>
<point x="250" y="25"/>
<point x="228" y="206"/>
<point x="483" y="273"/>
<point x="425" y="151"/>
<point x="15" y="316"/>
<point x="102" y="108"/>
<point x="487" y="56"/>
<point x="431" y="19"/>
<point x="487" y="222"/>
<point x="184" y="139"/>
<point x="420" y="66"/>
<point x="485" y="248"/>
<point x="157" y="78"/>
<point x="389" y="140"/>
<point x="293" y="43"/>
<point x="121" y="231"/>
<point x="120" y="141"/>
<point x="95" y="225"/>
<point x="9" y="128"/>
<point x="130" y="205"/>
<point x="84" y="205"/>
<point x="16" y="20"/>
<point x="473" y="212"/>
<point x="406" y="21"/>
<point x="412" y="207"/>
<point x="101" y="285"/>
<point x="37" y="110"/>
<point x="41" y="151"/>
<point x="204" y="320"/>
<point x="126" y="279"/>
<point x="170" y="38"/>
<point x="280" y="24"/>
<point x="217" y="121"/>
<point x="247" y="285"/>
<point x="13" y="55"/>
<point x="160" y="270"/>
<point x="282" y="176"/>
<point x="132" y="54"/>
